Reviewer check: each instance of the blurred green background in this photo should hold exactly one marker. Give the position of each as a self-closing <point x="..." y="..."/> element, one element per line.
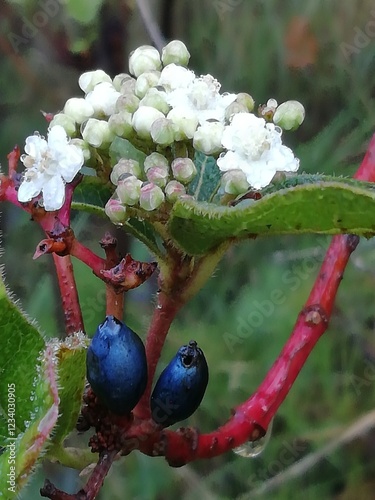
<point x="321" y="53"/>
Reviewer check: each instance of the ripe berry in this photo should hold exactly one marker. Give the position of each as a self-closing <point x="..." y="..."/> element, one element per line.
<point x="181" y="386"/>
<point x="117" y="366"/>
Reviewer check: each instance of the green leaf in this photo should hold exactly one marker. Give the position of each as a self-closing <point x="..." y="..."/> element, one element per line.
<point x="204" y="186"/>
<point x="71" y="357"/>
<point x="92" y="192"/>
<point x="326" y="207"/>
<point x="122" y="148"/>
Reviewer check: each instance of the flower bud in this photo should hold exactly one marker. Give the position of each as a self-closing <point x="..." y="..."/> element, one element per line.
<point x="121" y="124"/>
<point x="173" y="190"/>
<point x="66" y="122"/>
<point x="144" y="58"/>
<point x="156" y="99"/>
<point x="97" y="133"/>
<point x="120" y="79"/>
<point x="78" y="109"/>
<point x="289" y="115"/>
<point x="175" y="77"/>
<point x="162" y="132"/>
<point x="143" y="118"/>
<point x="127" y="102"/>
<point x="207" y="137"/>
<point x="234" y="108"/>
<point x="103" y="99"/>
<point x="185" y="122"/>
<point x="88" y="80"/>
<point x="115" y="211"/>
<point x="82" y="145"/>
<point x="234" y="182"/>
<point x="129" y="189"/>
<point x="184" y="169"/>
<point x="155" y="160"/>
<point x="175" y="52"/>
<point x="146" y="81"/>
<point x="128" y="86"/>
<point x="151" y="197"/>
<point x="125" y="166"/>
<point x="246" y="100"/>
<point x="158" y="176"/>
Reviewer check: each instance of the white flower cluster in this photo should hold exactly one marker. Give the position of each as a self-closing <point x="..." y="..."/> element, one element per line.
<point x="149" y="186"/>
<point x="160" y="106"/>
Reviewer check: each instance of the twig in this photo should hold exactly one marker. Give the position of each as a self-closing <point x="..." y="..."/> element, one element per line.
<point x="151" y="25"/>
<point x="359" y="428"/>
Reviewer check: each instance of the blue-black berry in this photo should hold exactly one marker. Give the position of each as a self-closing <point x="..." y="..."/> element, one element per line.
<point x="180" y="387"/>
<point x="117" y="366"/>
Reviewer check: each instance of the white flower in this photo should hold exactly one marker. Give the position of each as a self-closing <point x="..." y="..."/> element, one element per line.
<point x="144" y="58"/>
<point x="255" y="147"/>
<point x="175" y="77"/>
<point x="103" y="99"/>
<point x="185" y="122"/>
<point x="88" y="80"/>
<point x="207" y="137"/>
<point x="49" y="164"/>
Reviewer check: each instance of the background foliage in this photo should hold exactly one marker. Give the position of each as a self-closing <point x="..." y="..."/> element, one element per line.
<point x="310" y="51"/>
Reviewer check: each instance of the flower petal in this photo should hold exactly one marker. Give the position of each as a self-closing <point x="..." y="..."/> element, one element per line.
<point x="53" y="193"/>
<point x="30" y="188"/>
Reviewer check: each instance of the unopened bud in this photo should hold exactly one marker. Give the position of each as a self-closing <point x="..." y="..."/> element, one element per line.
<point x="146" y="81"/>
<point x="129" y="189"/>
<point x="82" y="145"/>
<point x="155" y="160"/>
<point x="144" y="58"/>
<point x="184" y="169"/>
<point x="246" y="100"/>
<point x="120" y="79"/>
<point x="121" y="124"/>
<point x="151" y="197"/>
<point x="185" y="122"/>
<point x="88" y="80"/>
<point x="128" y="86"/>
<point x="97" y="133"/>
<point x="78" y="109"/>
<point x="115" y="211"/>
<point x="233" y="109"/>
<point x="158" y="176"/>
<point x="175" y="52"/>
<point x="125" y="166"/>
<point x="163" y="132"/>
<point x="66" y="122"/>
<point x="207" y="137"/>
<point x="143" y="118"/>
<point x="127" y="102"/>
<point x="234" y="182"/>
<point x="174" y="190"/>
<point x="156" y="99"/>
<point x="289" y="115"/>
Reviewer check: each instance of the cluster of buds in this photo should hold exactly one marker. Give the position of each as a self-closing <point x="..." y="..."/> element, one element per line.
<point x="162" y="107"/>
<point x="149" y="186"/>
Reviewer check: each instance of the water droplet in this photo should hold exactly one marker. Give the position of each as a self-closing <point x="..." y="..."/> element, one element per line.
<point x="251" y="449"/>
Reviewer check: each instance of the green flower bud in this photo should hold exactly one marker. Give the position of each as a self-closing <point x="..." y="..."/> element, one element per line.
<point x="185" y="122"/>
<point x="289" y="115"/>
<point x="129" y="189"/>
<point x="163" y="132"/>
<point x="175" y="52"/>
<point x="207" y="137"/>
<point x="143" y="118"/>
<point x="144" y="58"/>
<point x="234" y="182"/>
<point x="67" y="123"/>
<point x="155" y="160"/>
<point x="84" y="146"/>
<point x="125" y="166"/>
<point x="78" y="109"/>
<point x="120" y="79"/>
<point x="174" y="190"/>
<point x="146" y="81"/>
<point x="246" y="100"/>
<point x="115" y="211"/>
<point x="184" y="170"/>
<point x="151" y="197"/>
<point x="97" y="133"/>
<point x="158" y="176"/>
<point x="127" y="86"/>
<point x="88" y="80"/>
<point x="127" y="102"/>
<point x="156" y="99"/>
<point x="234" y="108"/>
<point x="121" y="124"/>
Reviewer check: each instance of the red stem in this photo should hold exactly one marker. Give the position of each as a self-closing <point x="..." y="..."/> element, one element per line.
<point x="252" y="417"/>
<point x="84" y="254"/>
<point x="164" y="313"/>
<point x="69" y="294"/>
